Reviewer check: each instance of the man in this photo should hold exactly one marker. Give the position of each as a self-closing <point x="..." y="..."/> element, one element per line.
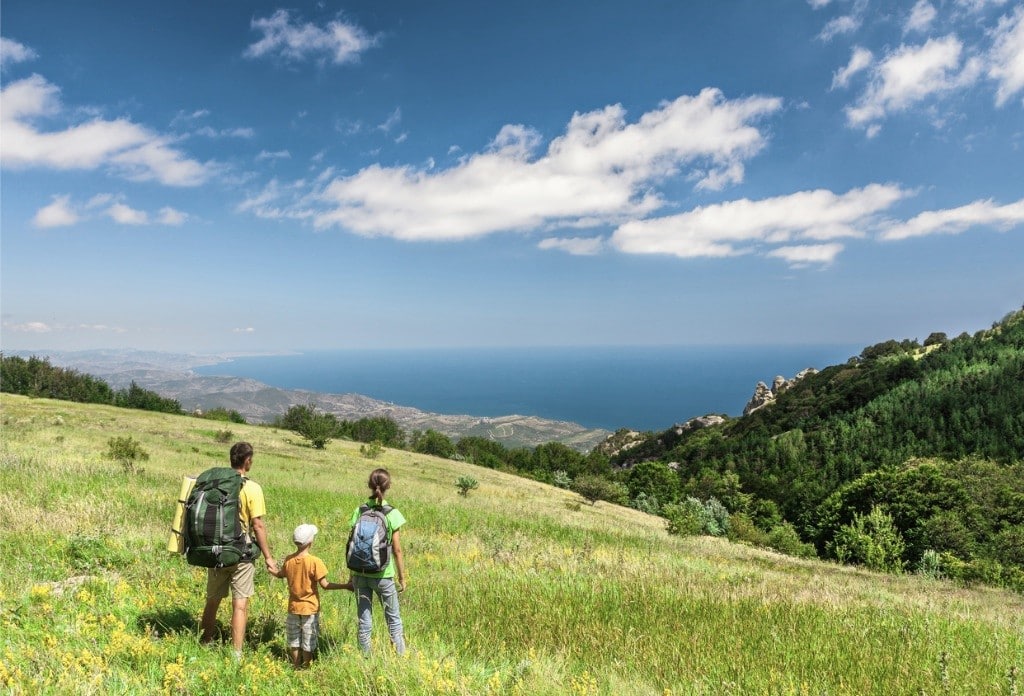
<point x="239" y="578"/>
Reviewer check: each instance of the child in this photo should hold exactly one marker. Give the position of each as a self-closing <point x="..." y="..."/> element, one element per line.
<point x="383" y="583"/>
<point x="305" y="574"/>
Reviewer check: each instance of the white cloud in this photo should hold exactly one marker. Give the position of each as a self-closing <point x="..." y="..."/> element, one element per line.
<point x="172" y="217"/>
<point x="910" y="75"/>
<point x="210" y="132"/>
<point x="393" y="119"/>
<point x="120" y="145"/>
<point x="125" y="215"/>
<point x="246" y="330"/>
<point x="743" y="226"/>
<point x="1006" y="59"/>
<point x="338" y="41"/>
<point x="818" y="4"/>
<point x="63" y="212"/>
<point x="60" y="213"/>
<point x="12" y="52"/>
<point x="846" y="24"/>
<point x="99" y="200"/>
<point x="577" y="246"/>
<point x="806" y="254"/>
<point x="860" y="59"/>
<point x="30" y="327"/>
<point x="979" y="5"/>
<point x="602" y="169"/>
<point x="956" y="220"/>
<point x="921" y="17"/>
<point x="280" y="154"/>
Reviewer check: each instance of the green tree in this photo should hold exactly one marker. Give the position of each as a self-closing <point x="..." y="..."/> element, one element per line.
<point x="433" y="443"/>
<point x="319" y="428"/>
<point x="653" y="479"/>
<point x="595" y="488"/>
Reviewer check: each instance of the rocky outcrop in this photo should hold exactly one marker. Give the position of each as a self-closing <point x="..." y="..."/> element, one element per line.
<point x="764" y="396"/>
<point x="621" y="440"/>
<point x="698" y="423"/>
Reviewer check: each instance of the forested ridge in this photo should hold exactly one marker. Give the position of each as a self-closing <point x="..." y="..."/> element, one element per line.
<point x="929" y="437"/>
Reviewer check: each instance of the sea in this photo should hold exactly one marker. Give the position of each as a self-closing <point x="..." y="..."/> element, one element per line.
<point x="642" y="388"/>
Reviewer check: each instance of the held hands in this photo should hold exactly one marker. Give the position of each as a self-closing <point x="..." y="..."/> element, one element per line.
<point x="271" y="566"/>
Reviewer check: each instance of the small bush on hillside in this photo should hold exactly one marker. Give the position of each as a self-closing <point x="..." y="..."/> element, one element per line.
<point x="645" y="503"/>
<point x="871" y="540"/>
<point x="222" y="414"/>
<point x="371" y="450"/>
<point x="743" y="529"/>
<point x="684" y="519"/>
<point x="319" y="429"/>
<point x="784" y="539"/>
<point x="595" y="488"/>
<point x="561" y="479"/>
<point x="127" y="451"/>
<point x="465" y="484"/>
<point x="930" y="565"/>
<point x="224" y="436"/>
<point x="692" y="517"/>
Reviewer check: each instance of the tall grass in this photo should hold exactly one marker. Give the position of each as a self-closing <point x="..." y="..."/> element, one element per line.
<point x="513" y="590"/>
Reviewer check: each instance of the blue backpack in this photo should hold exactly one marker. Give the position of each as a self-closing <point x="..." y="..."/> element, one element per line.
<point x="369" y="543"/>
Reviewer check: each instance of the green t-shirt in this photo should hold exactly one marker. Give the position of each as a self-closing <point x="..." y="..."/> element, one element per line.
<point x="395" y="520"/>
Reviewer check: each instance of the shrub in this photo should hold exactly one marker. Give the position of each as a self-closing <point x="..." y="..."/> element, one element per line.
<point x="561" y="479"/>
<point x="930" y="565"/>
<point x="318" y="428"/>
<point x="224" y="436"/>
<point x="784" y="539"/>
<point x="716" y="518"/>
<point x="645" y="503"/>
<point x="126" y="451"/>
<point x="465" y="484"/>
<point x="222" y="414"/>
<point x="594" y="488"/>
<point x="743" y="529"/>
<point x="684" y="519"/>
<point x="871" y="540"/>
<point x="372" y="450"/>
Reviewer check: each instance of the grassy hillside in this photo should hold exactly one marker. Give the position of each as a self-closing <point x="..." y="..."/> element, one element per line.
<point x="514" y="589"/>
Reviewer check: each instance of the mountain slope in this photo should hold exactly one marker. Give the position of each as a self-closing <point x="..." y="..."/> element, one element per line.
<point x="516" y="588"/>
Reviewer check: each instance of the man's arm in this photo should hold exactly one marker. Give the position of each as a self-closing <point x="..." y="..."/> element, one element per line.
<point x="259" y="530"/>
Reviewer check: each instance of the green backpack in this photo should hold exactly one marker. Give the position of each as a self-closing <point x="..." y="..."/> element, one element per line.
<point x="213" y="532"/>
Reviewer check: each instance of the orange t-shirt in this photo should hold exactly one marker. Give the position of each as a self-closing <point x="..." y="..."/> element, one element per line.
<point x="304" y="574"/>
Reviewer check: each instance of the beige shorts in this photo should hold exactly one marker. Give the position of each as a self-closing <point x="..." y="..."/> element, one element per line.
<point x="240" y="578"/>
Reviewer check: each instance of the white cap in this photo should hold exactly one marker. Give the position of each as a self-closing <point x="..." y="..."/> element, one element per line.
<point x="304" y="533"/>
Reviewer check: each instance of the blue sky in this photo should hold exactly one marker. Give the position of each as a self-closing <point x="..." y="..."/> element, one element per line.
<point x="250" y="176"/>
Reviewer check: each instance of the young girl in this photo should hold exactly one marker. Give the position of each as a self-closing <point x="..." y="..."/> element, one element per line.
<point x="383" y="583"/>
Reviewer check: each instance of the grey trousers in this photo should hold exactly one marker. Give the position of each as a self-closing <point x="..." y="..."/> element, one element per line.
<point x="387" y="590"/>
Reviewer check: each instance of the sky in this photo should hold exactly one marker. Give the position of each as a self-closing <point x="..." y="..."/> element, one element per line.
<point x="252" y="177"/>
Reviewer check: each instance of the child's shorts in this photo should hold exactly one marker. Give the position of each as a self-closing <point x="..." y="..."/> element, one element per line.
<point x="303" y="632"/>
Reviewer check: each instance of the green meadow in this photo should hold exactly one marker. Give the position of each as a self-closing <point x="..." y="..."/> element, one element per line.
<point x="517" y="588"/>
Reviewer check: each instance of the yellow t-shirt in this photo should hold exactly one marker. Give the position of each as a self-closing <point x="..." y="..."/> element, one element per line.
<point x="304" y="574"/>
<point x="250" y="505"/>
